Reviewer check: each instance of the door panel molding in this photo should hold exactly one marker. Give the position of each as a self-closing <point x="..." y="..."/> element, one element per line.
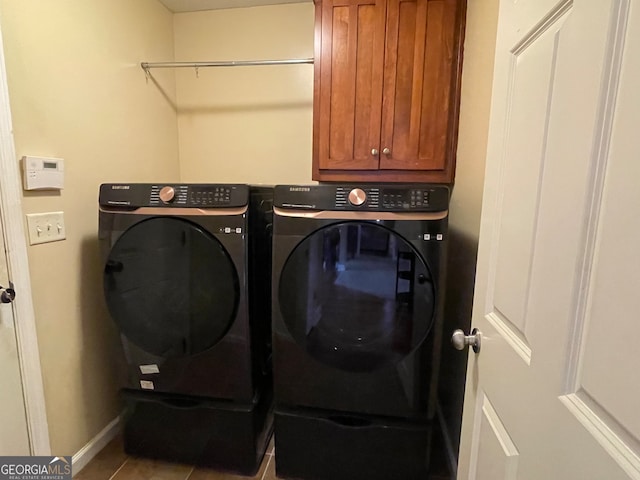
<point x="492" y="440"/>
<point x="512" y="335"/>
<point x="613" y="438"/>
<point x="616" y="440"/>
<point x="522" y="166"/>
<point x="551" y="19"/>
<point x="602" y="305"/>
<point x="602" y="143"/>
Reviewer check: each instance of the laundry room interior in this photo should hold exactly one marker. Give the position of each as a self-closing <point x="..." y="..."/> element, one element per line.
<point x="77" y="91"/>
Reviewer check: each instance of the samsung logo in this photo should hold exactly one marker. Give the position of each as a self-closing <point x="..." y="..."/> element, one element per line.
<point x="299" y="189"/>
<point x="120" y="187"/>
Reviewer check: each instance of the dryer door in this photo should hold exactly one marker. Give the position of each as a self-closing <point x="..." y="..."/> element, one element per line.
<point x="171" y="287"/>
<point x="357" y="296"/>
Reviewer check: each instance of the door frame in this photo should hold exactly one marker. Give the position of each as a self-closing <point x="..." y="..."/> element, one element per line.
<point x="18" y="267"/>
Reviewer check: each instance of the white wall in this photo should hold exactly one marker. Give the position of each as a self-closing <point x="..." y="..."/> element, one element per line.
<point x="246" y="124"/>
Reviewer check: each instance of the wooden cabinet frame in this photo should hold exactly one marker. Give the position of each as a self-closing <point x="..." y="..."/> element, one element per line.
<point x="387" y="79"/>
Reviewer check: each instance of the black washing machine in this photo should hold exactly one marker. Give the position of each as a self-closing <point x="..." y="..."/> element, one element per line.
<point x="357" y="317"/>
<point x="184" y="281"/>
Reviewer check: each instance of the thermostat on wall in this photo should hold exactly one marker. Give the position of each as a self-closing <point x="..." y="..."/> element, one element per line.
<point x="41" y="173"/>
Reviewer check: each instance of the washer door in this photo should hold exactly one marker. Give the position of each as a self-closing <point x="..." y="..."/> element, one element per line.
<point x="356" y="296"/>
<point x="171" y="287"/>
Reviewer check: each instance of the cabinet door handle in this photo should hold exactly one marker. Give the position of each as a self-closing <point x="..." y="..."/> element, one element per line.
<point x="386" y="151"/>
<point x="374" y="152"/>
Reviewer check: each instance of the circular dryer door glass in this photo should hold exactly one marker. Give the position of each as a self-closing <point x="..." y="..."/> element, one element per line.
<point x="357" y="296"/>
<point x="171" y="287"/>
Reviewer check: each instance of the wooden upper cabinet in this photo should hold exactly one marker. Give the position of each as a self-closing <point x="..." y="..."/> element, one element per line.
<point x="351" y="76"/>
<point x="387" y="82"/>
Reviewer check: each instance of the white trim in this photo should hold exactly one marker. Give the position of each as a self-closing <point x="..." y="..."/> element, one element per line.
<point x="18" y="266"/>
<point x="93" y="447"/>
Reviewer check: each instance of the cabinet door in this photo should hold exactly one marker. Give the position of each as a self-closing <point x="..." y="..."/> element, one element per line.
<point x="418" y="108"/>
<point x="350" y="76"/>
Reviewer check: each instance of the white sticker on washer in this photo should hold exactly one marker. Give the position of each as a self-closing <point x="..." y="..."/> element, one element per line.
<point x="146" y="384"/>
<point x="149" y="369"/>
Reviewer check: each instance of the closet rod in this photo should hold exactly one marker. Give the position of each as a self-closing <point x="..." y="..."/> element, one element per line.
<point x="234" y="63"/>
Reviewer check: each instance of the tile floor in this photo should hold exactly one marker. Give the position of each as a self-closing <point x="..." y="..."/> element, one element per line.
<point x="113" y="464"/>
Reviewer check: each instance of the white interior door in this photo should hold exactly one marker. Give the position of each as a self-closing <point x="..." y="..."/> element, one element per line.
<point x="555" y="391"/>
<point x="14" y="439"/>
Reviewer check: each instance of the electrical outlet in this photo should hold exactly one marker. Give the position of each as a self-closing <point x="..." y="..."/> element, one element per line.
<point x="46" y="227"/>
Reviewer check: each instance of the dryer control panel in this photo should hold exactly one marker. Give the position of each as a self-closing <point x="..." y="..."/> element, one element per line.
<point x="367" y="197"/>
<point x="183" y="195"/>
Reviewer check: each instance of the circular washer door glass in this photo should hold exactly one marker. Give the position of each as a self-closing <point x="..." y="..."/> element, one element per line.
<point x="171" y="287"/>
<point x="356" y="296"/>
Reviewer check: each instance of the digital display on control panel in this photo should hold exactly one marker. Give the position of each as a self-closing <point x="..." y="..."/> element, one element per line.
<point x="207" y="196"/>
<point x="404" y="198"/>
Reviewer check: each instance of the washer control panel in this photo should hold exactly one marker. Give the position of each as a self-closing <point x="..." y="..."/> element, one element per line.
<point x="367" y="197"/>
<point x="174" y="195"/>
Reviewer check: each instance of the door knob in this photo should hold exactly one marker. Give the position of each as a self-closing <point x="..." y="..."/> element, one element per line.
<point x="386" y="151"/>
<point x="459" y="340"/>
<point x="374" y="152"/>
<point x="7" y="295"/>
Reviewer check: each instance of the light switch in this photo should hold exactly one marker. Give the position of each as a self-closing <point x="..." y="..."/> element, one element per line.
<point x="46" y="227"/>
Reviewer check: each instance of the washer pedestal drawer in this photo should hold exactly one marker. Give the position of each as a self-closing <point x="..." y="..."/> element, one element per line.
<point x="318" y="445"/>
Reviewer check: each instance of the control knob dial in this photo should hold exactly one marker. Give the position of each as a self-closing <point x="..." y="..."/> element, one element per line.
<point x="357" y="197"/>
<point x="167" y="194"/>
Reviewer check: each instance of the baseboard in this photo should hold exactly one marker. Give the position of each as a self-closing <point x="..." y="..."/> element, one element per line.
<point x="97" y="443"/>
<point x="452" y="459"/>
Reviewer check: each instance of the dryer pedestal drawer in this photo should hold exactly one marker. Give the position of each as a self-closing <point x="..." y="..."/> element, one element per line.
<point x="195" y="431"/>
